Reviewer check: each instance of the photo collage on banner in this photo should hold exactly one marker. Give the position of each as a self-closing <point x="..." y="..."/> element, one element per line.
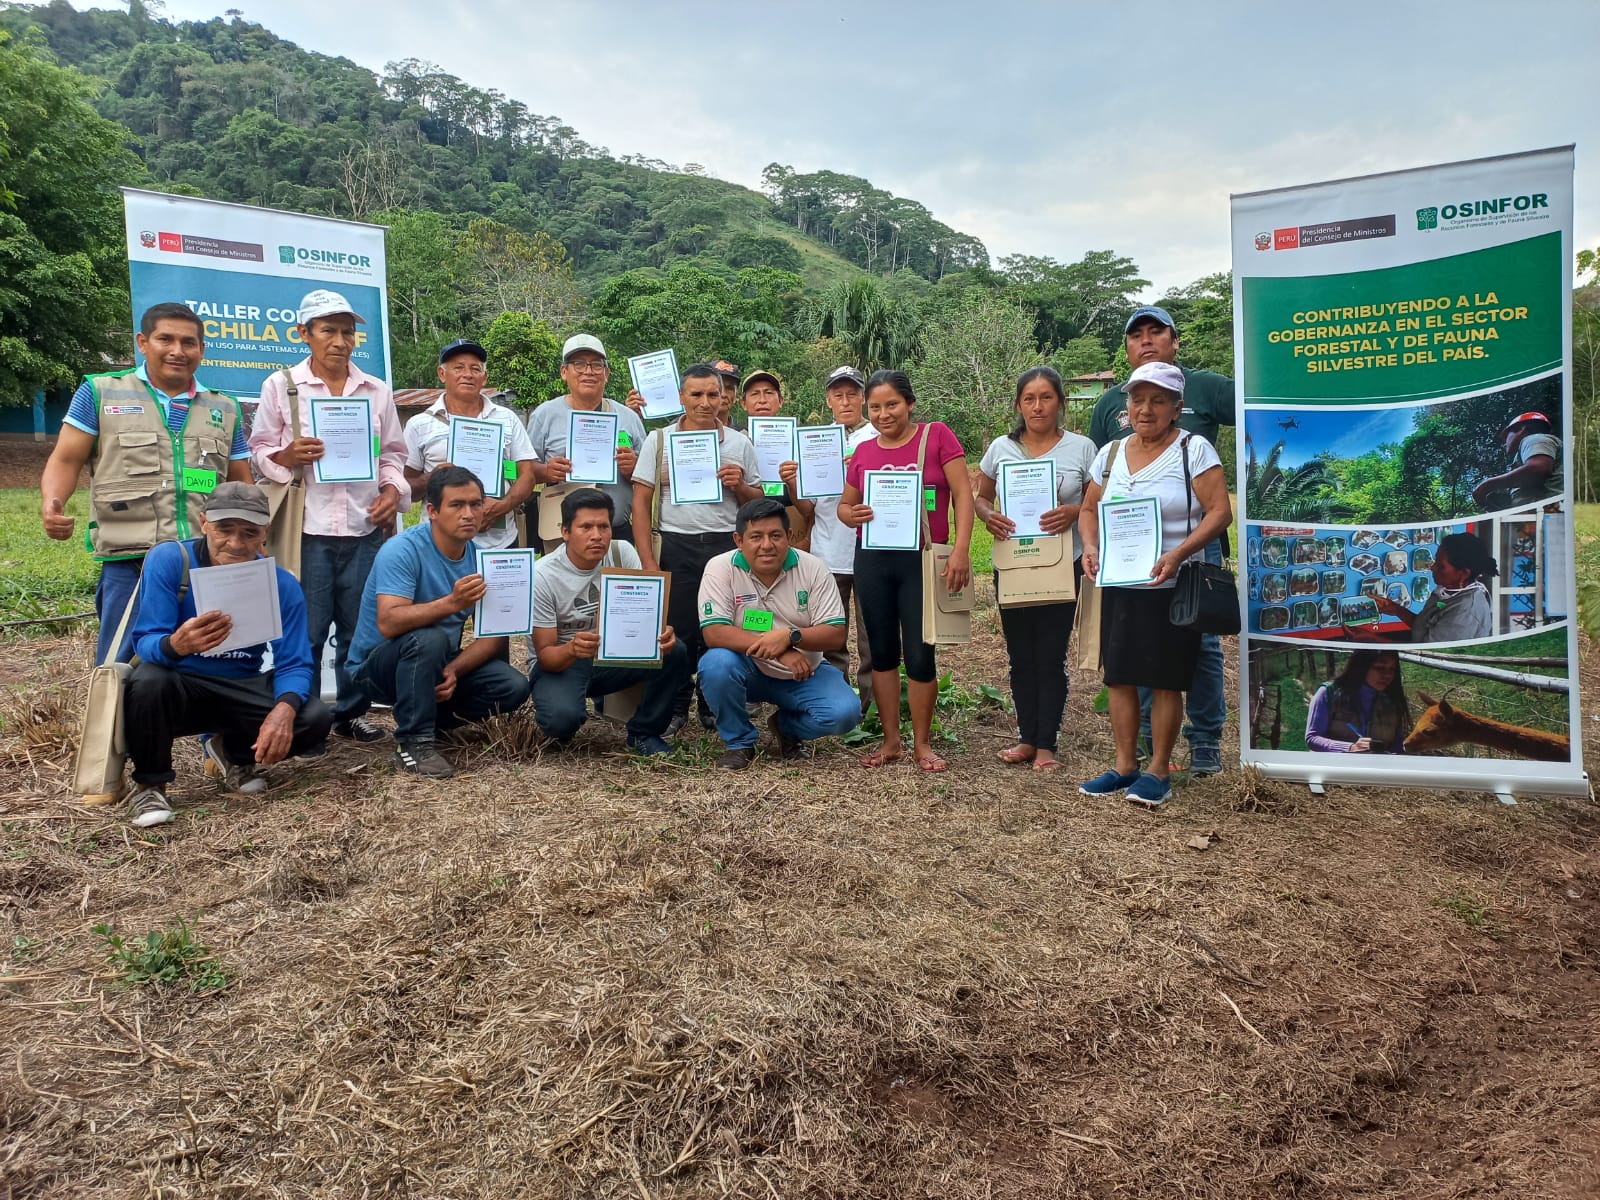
<point x="243" y="270"/>
<point x="1403" y="343"/>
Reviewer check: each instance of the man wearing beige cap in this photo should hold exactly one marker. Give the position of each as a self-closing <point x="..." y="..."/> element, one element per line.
<point x="344" y="522"/>
<point x="182" y="685"/>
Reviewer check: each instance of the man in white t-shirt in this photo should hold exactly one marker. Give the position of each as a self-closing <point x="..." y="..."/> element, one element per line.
<point x="768" y="612"/>
<point x="832" y="540"/>
<point x="463" y="372"/>
<point x="1535" y="474"/>
<point x="566" y="608"/>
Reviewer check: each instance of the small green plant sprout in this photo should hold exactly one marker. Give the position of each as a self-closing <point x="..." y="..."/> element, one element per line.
<point x="164" y="958"/>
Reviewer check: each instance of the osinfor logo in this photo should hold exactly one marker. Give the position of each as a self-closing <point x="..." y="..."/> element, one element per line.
<point x="312" y="256"/>
<point x="286" y="255"/>
<point x="1428" y="218"/>
<point x="1482" y="212"/>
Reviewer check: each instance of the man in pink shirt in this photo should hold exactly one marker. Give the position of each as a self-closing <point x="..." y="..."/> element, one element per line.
<point x="344" y="522"/>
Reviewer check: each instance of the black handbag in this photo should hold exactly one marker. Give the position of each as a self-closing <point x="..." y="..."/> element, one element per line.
<point x="1205" y="597"/>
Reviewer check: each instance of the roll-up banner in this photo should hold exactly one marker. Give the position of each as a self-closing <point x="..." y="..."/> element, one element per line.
<point x="1404" y="345"/>
<point x="243" y="270"/>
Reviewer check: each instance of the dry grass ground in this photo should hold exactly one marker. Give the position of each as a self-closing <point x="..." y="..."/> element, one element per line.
<point x="581" y="976"/>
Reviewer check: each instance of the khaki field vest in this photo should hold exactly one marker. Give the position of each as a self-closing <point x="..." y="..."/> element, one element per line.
<point x="146" y="484"/>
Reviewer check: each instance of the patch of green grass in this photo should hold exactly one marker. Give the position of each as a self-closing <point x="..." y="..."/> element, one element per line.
<point x="40" y="577"/>
<point x="164" y="958"/>
<point x="1466" y="908"/>
<point x="1586" y="534"/>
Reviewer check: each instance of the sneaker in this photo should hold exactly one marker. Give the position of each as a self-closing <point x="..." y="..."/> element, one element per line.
<point x="358" y="729"/>
<point x="1205" y="760"/>
<point x="648" y="745"/>
<point x="236" y="777"/>
<point x="420" y="758"/>
<point x="1149" y="790"/>
<point x="147" y="807"/>
<point x="1107" y="783"/>
<point x="736" y="760"/>
<point x="790" y="749"/>
<point x="675" y="726"/>
<point x="317" y="751"/>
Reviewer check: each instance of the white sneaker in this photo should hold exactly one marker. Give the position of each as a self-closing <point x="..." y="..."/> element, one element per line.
<point x="247" y="781"/>
<point x="147" y="807"/>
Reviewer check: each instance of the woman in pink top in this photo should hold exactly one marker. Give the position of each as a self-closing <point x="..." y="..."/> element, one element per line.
<point x="889" y="582"/>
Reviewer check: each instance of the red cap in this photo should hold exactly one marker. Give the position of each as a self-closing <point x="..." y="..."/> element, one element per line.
<point x="1524" y="419"/>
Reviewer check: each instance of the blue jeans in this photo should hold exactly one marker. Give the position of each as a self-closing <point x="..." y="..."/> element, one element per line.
<point x="807" y="708"/>
<point x="333" y="572"/>
<point x="111" y="592"/>
<point x="558" y="696"/>
<point x="403" y="672"/>
<point x="1205" y="702"/>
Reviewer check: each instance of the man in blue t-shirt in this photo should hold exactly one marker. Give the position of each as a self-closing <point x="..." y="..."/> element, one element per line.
<point x="407" y="648"/>
<point x="182" y="685"/>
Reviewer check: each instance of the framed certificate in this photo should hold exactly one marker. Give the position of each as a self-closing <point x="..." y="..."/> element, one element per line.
<point x="821" y="462"/>
<point x="592" y="446"/>
<point x="895" y="498"/>
<point x="693" y="460"/>
<point x="506" y="609"/>
<point x="655" y="377"/>
<point x="349" y="447"/>
<point x="632" y="617"/>
<point x="476" y="445"/>
<point x="1130" y="541"/>
<point x="1026" y="490"/>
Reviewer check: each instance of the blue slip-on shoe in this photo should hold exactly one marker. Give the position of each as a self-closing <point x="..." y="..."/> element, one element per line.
<point x="1149" y="790"/>
<point x="649" y="745"/>
<point x="1205" y="760"/>
<point x="1107" y="783"/>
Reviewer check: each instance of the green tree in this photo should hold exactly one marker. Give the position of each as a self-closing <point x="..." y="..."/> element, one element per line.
<point x="1203" y="311"/>
<point x="1092" y="296"/>
<point x="879" y="332"/>
<point x="63" y="267"/>
<point x="967" y="372"/>
<point x="524" y="357"/>
<point x="1081" y="356"/>
<point x="424" y="305"/>
<point x="503" y="270"/>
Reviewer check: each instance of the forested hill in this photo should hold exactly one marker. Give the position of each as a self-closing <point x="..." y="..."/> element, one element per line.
<point x="229" y="110"/>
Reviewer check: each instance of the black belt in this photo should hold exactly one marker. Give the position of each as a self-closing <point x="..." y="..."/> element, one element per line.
<point x="701" y="538"/>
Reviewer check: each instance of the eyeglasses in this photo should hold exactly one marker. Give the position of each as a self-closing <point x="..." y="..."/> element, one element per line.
<point x="588" y="366"/>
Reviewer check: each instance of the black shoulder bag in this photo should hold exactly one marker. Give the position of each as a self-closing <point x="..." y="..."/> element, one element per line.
<point x="1205" y="597"/>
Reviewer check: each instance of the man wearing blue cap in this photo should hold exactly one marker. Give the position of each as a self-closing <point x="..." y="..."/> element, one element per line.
<point x="1208" y="402"/>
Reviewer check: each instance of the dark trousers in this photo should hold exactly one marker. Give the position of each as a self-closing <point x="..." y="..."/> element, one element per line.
<point x="162" y="705"/>
<point x="403" y="671"/>
<point x="1036" y="644"/>
<point x="685" y="555"/>
<point x="889" y="590"/>
<point x="840" y="658"/>
<point x="333" y="572"/>
<point x="112" y="592"/>
<point x="558" y="696"/>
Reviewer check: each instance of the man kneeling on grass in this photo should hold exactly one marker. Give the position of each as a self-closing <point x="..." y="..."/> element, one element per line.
<point x="767" y="613"/>
<point x="177" y="688"/>
<point x="407" y="649"/>
<point x="566" y="604"/>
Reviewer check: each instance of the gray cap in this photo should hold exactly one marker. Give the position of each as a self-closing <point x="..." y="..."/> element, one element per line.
<point x="239" y="502"/>
<point x="848" y="374"/>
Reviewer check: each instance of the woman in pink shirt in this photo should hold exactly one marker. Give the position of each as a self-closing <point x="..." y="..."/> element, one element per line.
<point x="889" y="582"/>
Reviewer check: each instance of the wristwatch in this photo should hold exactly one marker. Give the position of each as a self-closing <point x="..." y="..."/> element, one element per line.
<point x="794" y="636"/>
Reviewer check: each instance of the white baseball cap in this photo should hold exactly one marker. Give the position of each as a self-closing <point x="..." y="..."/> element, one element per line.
<point x="581" y="341"/>
<point x="1163" y="375"/>
<point x="323" y="303"/>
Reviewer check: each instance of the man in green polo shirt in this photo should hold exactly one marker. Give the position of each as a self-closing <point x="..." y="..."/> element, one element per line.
<point x="768" y="612"/>
<point x="1208" y="402"/>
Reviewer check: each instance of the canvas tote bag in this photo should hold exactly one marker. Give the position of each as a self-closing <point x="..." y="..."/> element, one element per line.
<point x="287" y="501"/>
<point x="946" y="615"/>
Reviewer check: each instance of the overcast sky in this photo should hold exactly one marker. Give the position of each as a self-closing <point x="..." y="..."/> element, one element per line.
<point x="1042" y="128"/>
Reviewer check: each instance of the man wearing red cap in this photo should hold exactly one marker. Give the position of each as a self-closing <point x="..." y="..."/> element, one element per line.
<point x="1535" y="474"/>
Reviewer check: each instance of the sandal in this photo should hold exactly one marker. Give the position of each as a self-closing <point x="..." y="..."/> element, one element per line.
<point x="1048" y="763"/>
<point x="878" y="758"/>
<point x="931" y="763"/>
<point x="1013" y="755"/>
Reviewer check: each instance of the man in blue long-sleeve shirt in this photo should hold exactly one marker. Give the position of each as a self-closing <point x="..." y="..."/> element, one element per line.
<point x="177" y="689"/>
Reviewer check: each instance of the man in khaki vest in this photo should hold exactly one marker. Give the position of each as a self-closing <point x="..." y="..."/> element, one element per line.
<point x="157" y="443"/>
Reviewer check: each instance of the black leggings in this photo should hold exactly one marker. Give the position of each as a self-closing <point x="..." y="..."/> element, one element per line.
<point x="1036" y="644"/>
<point x="889" y="587"/>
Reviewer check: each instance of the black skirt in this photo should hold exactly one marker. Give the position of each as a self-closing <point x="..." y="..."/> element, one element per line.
<point x="1140" y="645"/>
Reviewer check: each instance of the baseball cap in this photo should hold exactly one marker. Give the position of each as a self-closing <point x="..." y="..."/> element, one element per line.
<point x="237" y="501"/>
<point x="463" y="346"/>
<point x="777" y="380"/>
<point x="581" y="341"/>
<point x="1163" y="375"/>
<point x="727" y="370"/>
<point x="323" y="303"/>
<point x="1150" y="310"/>
<point x="1525" y="419"/>
<point x="845" y="373"/>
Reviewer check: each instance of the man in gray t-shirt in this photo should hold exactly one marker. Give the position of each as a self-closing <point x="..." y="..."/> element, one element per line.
<point x="566" y="603"/>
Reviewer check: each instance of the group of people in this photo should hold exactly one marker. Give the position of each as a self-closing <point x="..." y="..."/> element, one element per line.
<point x="752" y="617"/>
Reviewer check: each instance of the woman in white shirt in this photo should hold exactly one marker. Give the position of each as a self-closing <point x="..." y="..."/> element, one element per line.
<point x="1036" y="636"/>
<point x="1140" y="644"/>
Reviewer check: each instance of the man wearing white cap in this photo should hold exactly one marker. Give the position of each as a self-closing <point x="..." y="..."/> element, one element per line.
<point x="344" y="522"/>
<point x="586" y="371"/>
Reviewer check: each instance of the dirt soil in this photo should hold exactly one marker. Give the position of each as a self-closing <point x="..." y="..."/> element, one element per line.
<point x="574" y="975"/>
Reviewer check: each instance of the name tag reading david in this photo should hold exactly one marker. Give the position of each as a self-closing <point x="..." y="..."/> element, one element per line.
<point x="199" y="479"/>
<point x="758" y="620"/>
